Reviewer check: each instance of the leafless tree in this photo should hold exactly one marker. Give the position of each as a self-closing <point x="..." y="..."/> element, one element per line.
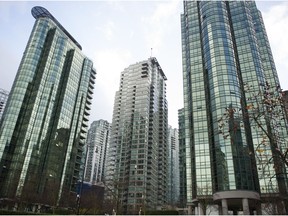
<point x="91" y="203"/>
<point x="205" y="200"/>
<point x="112" y="199"/>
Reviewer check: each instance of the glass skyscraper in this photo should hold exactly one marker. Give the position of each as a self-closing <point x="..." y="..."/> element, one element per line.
<point x="137" y="166"/>
<point x="97" y="144"/>
<point x="182" y="159"/>
<point x="173" y="175"/>
<point x="226" y="61"/>
<point x="42" y="135"/>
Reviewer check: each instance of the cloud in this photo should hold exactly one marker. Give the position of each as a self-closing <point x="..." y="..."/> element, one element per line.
<point x="109" y="30"/>
<point x="162" y="33"/>
<point x="157" y="24"/>
<point x="116" y="5"/>
<point x="164" y="10"/>
<point x="131" y="34"/>
<point x="12" y="50"/>
<point x="109" y="63"/>
<point x="7" y="9"/>
<point x="275" y="21"/>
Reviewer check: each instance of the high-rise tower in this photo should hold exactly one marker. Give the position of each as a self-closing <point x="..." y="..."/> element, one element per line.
<point x="182" y="159"/>
<point x="226" y="61"/>
<point x="3" y="100"/>
<point x="97" y="143"/>
<point x="42" y="135"/>
<point x="173" y="175"/>
<point x="137" y="165"/>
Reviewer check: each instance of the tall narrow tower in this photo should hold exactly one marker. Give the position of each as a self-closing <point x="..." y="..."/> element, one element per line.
<point x="173" y="175"/>
<point x="137" y="166"/>
<point x="42" y="135"/>
<point x="97" y="143"/>
<point x="3" y="100"/>
<point x="226" y="61"/>
<point x="182" y="159"/>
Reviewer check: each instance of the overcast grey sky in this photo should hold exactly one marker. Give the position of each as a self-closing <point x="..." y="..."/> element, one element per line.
<point x="115" y="34"/>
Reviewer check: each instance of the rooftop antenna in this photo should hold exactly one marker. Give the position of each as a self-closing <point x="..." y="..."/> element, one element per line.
<point x="151" y="52"/>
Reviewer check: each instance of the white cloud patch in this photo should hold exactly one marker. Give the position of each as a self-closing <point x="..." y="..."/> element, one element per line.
<point x="132" y="33"/>
<point x="164" y="10"/>
<point x="109" y="30"/>
<point x="162" y="33"/>
<point x="157" y="25"/>
<point x="275" y="21"/>
<point x="8" y="8"/>
<point x="116" y="5"/>
<point x="109" y="64"/>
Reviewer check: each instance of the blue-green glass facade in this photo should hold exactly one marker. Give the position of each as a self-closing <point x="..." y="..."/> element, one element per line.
<point x="43" y="132"/>
<point x="225" y="49"/>
<point x="182" y="159"/>
<point x="173" y="174"/>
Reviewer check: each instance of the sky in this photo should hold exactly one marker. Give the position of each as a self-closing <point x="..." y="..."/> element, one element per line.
<point x="116" y="34"/>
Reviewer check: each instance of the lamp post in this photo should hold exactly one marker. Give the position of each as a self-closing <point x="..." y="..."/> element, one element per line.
<point x="143" y="202"/>
<point x="78" y="199"/>
<point x="79" y="194"/>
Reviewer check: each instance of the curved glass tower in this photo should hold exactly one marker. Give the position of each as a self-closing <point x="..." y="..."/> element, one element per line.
<point x="225" y="48"/>
<point x="44" y="126"/>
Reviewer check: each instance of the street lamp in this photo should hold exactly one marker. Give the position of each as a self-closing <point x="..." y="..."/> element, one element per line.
<point x="79" y="194"/>
<point x="78" y="203"/>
